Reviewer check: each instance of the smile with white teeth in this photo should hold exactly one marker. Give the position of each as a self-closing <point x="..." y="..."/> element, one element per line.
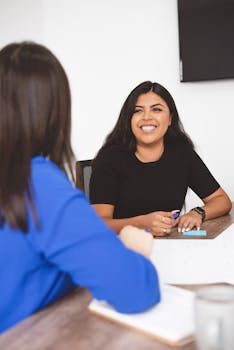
<point x="148" y="128"/>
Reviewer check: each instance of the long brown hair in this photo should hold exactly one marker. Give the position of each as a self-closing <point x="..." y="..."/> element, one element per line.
<point x="35" y="119"/>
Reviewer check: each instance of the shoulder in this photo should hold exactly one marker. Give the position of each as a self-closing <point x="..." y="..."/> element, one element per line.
<point x="110" y="155"/>
<point x="49" y="182"/>
<point x="45" y="172"/>
<point x="180" y="151"/>
<point x="52" y="192"/>
<point x="109" y="151"/>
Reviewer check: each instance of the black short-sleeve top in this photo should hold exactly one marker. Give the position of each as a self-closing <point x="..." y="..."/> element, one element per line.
<point x="135" y="188"/>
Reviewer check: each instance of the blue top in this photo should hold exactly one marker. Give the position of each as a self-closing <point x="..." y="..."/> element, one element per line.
<point x="72" y="247"/>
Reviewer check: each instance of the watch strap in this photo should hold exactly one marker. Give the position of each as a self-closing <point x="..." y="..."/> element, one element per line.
<point x="200" y="211"/>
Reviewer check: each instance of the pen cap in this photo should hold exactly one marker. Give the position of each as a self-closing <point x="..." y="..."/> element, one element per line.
<point x="176" y="214"/>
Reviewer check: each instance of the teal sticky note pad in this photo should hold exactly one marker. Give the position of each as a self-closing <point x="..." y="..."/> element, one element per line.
<point x="200" y="233"/>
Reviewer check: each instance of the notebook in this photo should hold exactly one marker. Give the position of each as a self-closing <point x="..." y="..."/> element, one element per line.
<point x="170" y="321"/>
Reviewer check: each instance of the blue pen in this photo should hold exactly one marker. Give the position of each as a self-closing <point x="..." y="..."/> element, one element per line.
<point x="176" y="215"/>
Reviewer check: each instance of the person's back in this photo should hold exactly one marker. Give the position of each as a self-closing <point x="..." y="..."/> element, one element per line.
<point x="50" y="237"/>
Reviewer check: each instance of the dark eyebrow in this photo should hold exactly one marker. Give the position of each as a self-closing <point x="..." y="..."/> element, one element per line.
<point x="156" y="104"/>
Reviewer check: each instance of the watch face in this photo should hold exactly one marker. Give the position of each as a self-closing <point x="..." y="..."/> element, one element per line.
<point x="200" y="210"/>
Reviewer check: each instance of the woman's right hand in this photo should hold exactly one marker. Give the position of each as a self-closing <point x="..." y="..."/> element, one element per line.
<point x="160" y="223"/>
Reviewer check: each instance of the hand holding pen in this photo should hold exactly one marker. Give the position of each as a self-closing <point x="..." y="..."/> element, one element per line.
<point x="160" y="223"/>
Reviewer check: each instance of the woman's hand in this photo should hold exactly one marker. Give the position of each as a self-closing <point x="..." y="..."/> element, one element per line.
<point x="137" y="239"/>
<point x="189" y="221"/>
<point x="160" y="223"/>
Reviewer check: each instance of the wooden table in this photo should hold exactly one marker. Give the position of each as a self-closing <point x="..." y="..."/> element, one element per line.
<point x="68" y="324"/>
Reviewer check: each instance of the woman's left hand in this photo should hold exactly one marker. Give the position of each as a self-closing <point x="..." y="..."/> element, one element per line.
<point x="189" y="221"/>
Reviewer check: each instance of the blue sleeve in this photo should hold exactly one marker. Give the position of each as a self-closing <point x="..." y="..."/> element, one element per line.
<point x="84" y="247"/>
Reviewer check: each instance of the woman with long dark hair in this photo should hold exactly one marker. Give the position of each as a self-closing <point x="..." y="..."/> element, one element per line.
<point x="50" y="237"/>
<point x="141" y="174"/>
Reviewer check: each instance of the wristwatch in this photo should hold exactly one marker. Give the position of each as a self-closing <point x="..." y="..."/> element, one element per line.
<point x="200" y="211"/>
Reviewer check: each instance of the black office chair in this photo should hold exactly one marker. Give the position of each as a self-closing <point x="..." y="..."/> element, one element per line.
<point x="83" y="174"/>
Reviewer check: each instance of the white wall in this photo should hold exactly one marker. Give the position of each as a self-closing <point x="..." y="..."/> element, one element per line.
<point x="108" y="47"/>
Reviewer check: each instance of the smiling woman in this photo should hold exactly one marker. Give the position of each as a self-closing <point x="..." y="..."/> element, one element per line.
<point x="141" y="174"/>
<point x="150" y="121"/>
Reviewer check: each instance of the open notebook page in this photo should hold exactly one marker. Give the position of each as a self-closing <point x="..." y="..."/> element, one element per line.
<point x="171" y="321"/>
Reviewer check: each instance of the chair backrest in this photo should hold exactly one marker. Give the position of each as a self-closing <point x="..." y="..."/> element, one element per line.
<point x="83" y="174"/>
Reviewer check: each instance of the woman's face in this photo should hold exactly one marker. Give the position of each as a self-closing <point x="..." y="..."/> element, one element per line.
<point x="150" y="119"/>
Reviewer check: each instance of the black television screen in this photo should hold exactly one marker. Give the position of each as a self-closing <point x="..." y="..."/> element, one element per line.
<point x="206" y="37"/>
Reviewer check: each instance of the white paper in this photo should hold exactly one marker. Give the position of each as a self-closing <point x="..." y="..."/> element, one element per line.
<point x="172" y="319"/>
<point x="195" y="261"/>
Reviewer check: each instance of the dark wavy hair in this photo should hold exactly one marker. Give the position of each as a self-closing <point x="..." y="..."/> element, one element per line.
<point x="122" y="134"/>
<point x="35" y="119"/>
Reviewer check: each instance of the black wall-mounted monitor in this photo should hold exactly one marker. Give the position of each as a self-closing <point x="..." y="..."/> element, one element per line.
<point x="206" y="37"/>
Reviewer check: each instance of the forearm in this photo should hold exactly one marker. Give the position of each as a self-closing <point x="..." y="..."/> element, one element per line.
<point x="117" y="224"/>
<point x="158" y="223"/>
<point x="217" y="206"/>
